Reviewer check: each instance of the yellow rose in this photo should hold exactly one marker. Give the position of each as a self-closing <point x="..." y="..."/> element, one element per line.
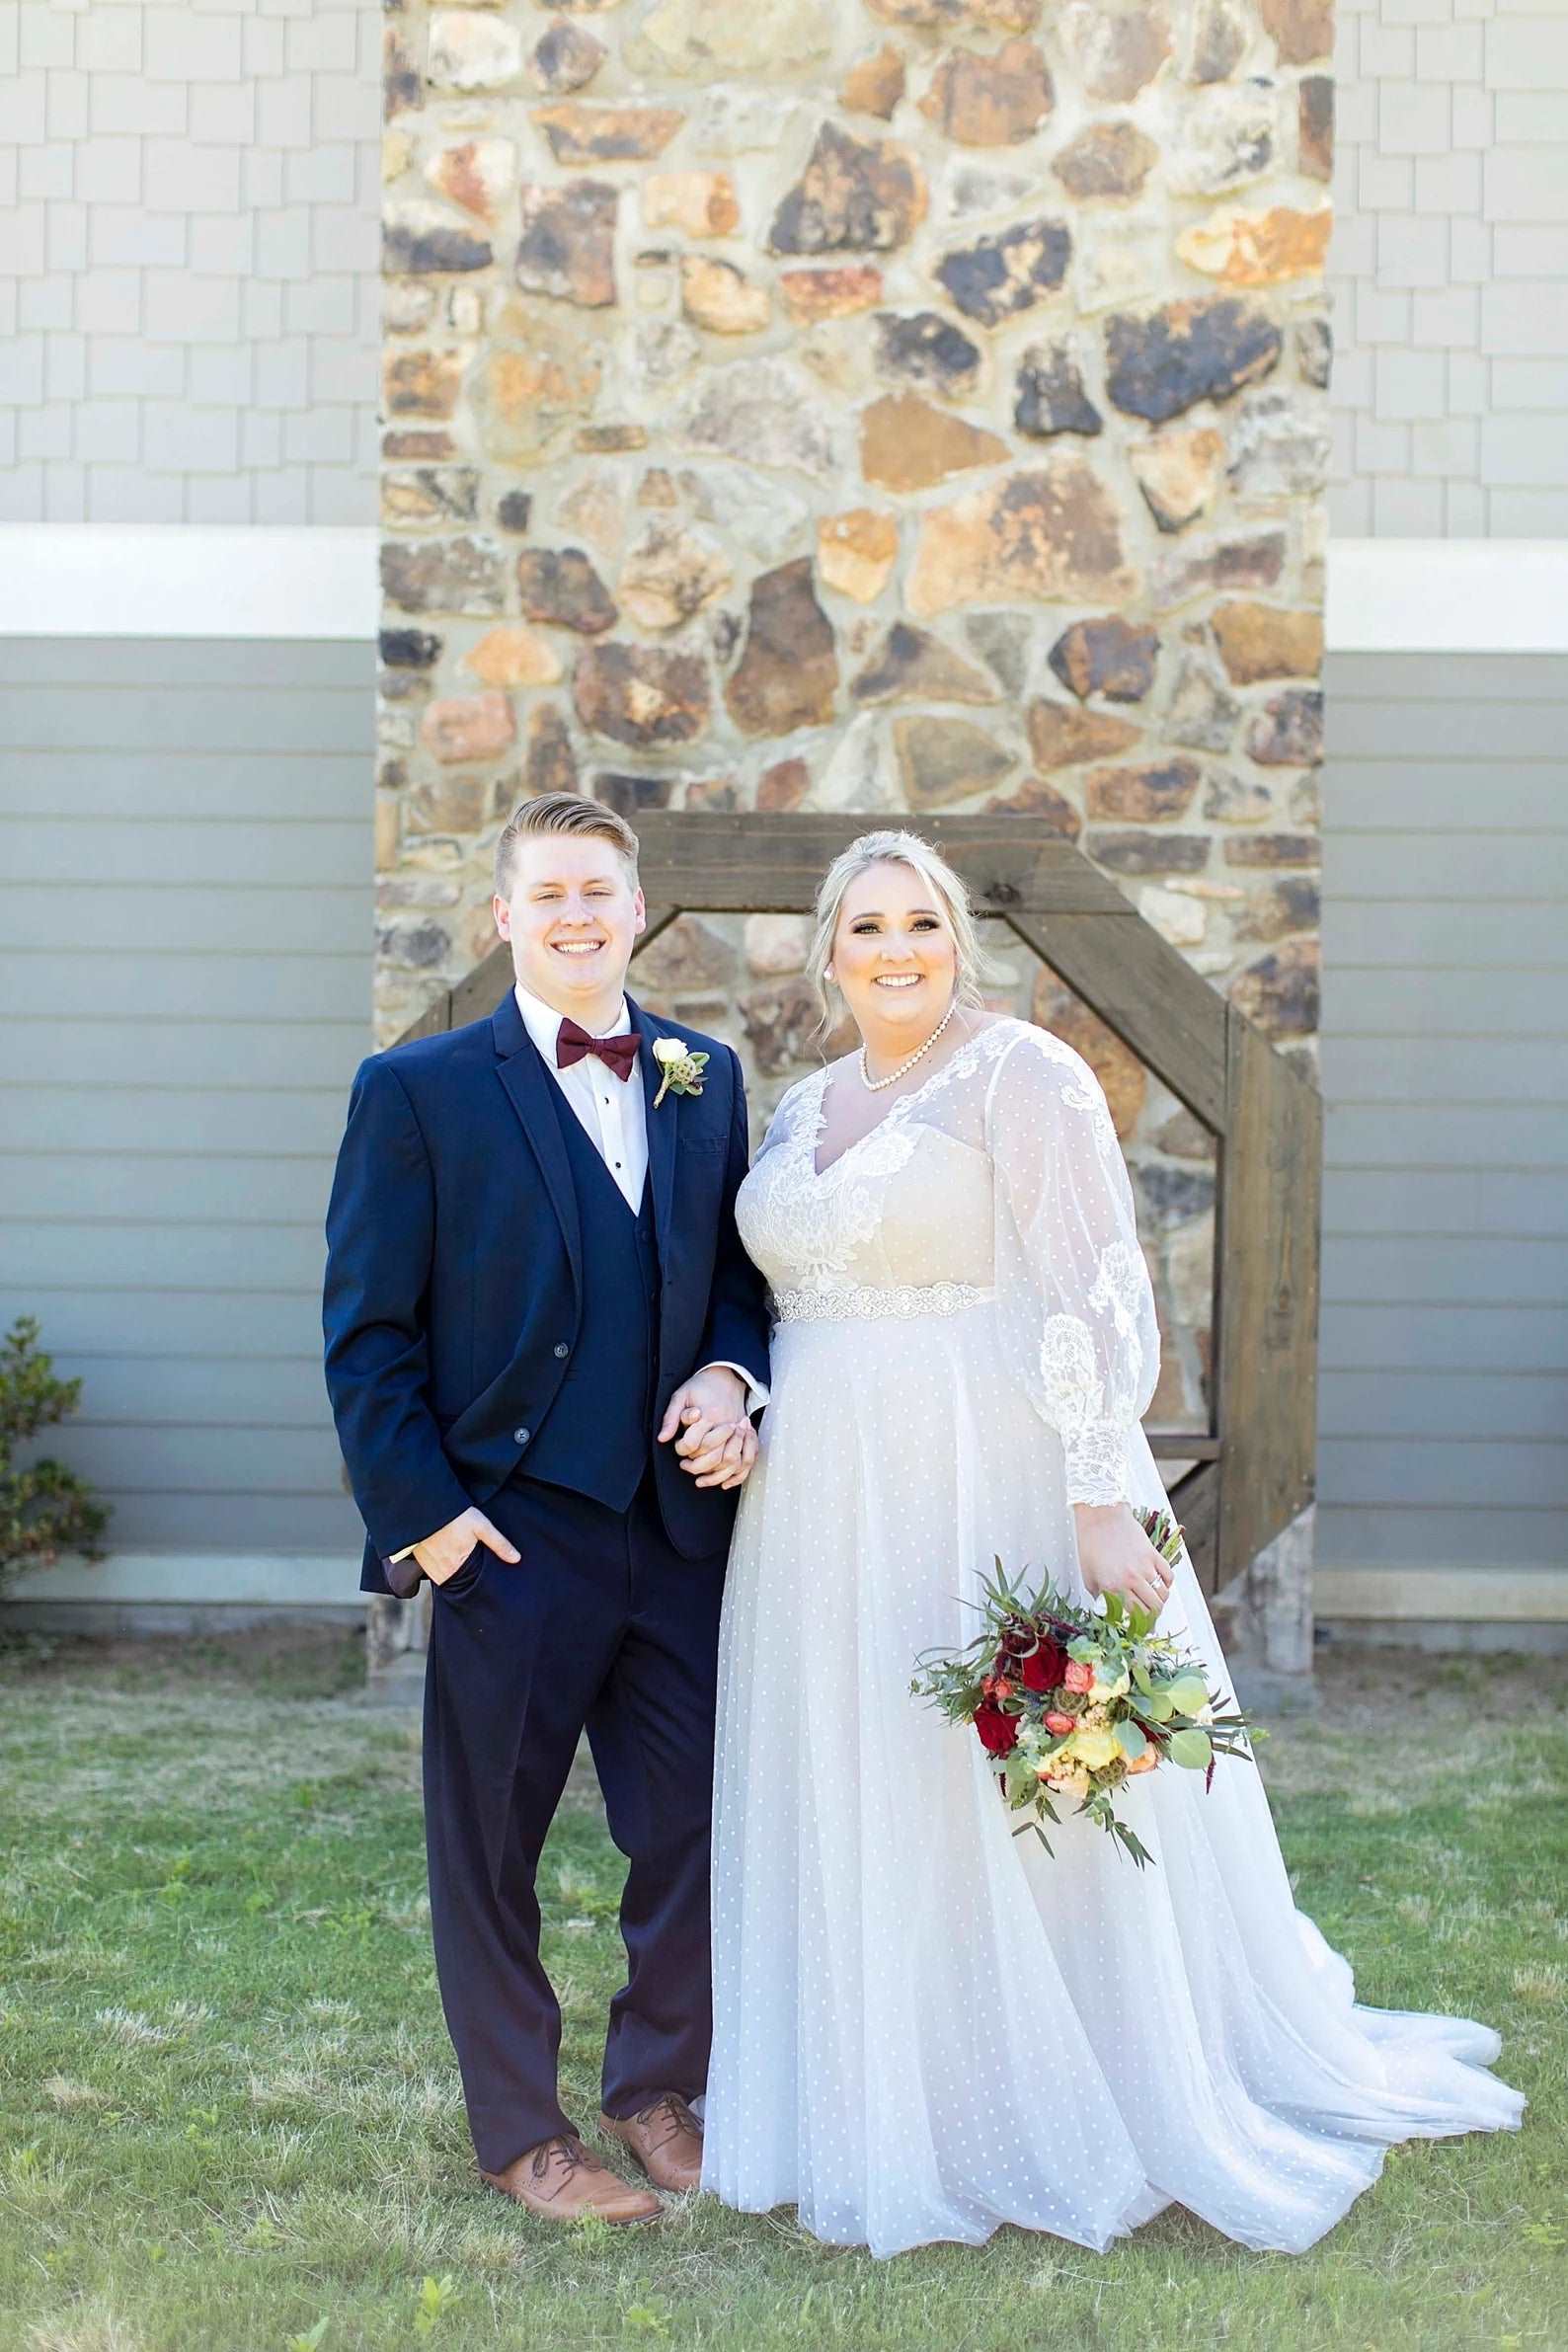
<point x="1092" y="1747"/>
<point x="1100" y="1691"/>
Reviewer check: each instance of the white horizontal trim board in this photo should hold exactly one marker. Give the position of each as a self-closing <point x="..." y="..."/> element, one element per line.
<point x="195" y="581"/>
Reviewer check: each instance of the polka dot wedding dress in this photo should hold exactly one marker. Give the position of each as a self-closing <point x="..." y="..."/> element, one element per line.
<point x="925" y="2026"/>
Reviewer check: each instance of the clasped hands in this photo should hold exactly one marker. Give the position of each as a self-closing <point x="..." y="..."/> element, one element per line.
<point x="717" y="1447"/>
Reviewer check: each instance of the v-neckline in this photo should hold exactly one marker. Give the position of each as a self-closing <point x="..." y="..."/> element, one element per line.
<point x="820" y="1175"/>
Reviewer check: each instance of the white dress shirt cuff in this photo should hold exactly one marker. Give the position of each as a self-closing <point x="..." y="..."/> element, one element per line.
<point x="756" y="1395"/>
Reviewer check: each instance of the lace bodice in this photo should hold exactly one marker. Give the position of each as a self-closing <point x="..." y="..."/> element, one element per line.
<point x="998" y="1182"/>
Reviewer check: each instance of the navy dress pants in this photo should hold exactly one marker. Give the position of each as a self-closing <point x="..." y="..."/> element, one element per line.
<point x="603" y="1624"/>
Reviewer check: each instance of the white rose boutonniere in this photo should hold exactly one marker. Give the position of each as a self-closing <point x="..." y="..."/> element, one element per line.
<point x="682" y="1068"/>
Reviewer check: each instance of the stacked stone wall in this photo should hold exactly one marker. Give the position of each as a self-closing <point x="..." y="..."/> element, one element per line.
<point x="871" y="405"/>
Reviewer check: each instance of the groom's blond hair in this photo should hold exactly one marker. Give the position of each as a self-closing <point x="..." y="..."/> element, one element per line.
<point x="563" y="812"/>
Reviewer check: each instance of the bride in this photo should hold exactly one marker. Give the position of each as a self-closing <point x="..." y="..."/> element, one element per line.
<point x="925" y="2026"/>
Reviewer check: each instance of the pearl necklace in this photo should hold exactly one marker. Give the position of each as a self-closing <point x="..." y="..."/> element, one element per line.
<point x="879" y="1085"/>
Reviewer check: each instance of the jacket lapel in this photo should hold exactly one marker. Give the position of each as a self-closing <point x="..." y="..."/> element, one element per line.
<point x="522" y="1073"/>
<point x="663" y="1127"/>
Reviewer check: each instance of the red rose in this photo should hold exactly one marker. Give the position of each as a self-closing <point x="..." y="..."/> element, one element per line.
<point x="1044" y="1667"/>
<point x="998" y="1732"/>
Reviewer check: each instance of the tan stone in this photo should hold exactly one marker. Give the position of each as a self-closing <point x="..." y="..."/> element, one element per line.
<point x="526" y="398"/>
<point x="595" y="510"/>
<point x="670" y="574"/>
<point x="641" y="695"/>
<point x="479" y="174"/>
<point x="467" y="727"/>
<point x="470" y="50"/>
<point x="1268" y="247"/>
<point x="1302" y="29"/>
<point x="753" y="40"/>
<point x="912" y="665"/>
<point x="581" y="132"/>
<point x="1062" y="736"/>
<point x="1179" y="474"/>
<point x="875" y="84"/>
<point x="722" y="299"/>
<point x="388" y="831"/>
<point x="1115" y="1065"/>
<point x="513" y="655"/>
<point x="783" y="786"/>
<point x="1153" y="795"/>
<point x="856" y="552"/>
<point x="422" y="383"/>
<point x="1258" y="641"/>
<point x="990" y="102"/>
<point x="698" y="204"/>
<point x="1051" y="533"/>
<point x="777" y="943"/>
<point x="907" y="444"/>
<point x="1184" y="921"/>
<point x="810" y="295"/>
<point x="397" y="155"/>
<point x="1115" y="47"/>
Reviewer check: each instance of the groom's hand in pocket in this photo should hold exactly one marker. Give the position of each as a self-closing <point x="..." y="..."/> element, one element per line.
<point x="441" y="1555"/>
<point x="717" y="1443"/>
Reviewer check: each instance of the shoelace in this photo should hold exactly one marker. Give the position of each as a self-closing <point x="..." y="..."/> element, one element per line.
<point x="679" y="2114"/>
<point x="573" y="2155"/>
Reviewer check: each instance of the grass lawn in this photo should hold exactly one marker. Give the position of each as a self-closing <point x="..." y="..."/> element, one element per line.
<point x="229" y="2115"/>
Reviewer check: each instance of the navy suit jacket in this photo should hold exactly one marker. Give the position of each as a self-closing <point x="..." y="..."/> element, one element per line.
<point x="454" y="1284"/>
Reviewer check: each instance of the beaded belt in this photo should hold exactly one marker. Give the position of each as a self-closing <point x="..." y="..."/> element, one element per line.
<point x="853" y="1301"/>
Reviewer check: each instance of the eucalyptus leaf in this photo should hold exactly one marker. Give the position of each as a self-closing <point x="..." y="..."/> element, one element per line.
<point x="1130" y="1739"/>
<point x="1190" y="1747"/>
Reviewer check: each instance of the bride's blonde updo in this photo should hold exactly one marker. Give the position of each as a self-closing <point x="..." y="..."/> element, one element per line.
<point x="898" y="848"/>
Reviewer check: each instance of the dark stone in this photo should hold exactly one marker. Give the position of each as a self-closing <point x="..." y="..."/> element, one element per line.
<point x="1051" y="395"/>
<point x="514" y="510"/>
<point x="1288" y="731"/>
<point x="780" y="1024"/>
<point x="788" y="675"/>
<point x="1045" y="807"/>
<point x="1175" y="1196"/>
<point x="631" y="796"/>
<point x="564" y="58"/>
<point x="1191" y="351"/>
<point x="401" y="86"/>
<point x="1314" y="352"/>
<point x="1226" y="564"/>
<point x="1290" y="903"/>
<point x="410" y="648"/>
<point x="430" y="494"/>
<point x="999" y="275"/>
<point x="927" y="349"/>
<point x="549" y="763"/>
<point x="1149" y="853"/>
<point x="568" y="243"/>
<point x="443" y="575"/>
<point x="599" y="440"/>
<point x="1315" y="126"/>
<point x="641" y="695"/>
<point x="855" y="195"/>
<point x="1279" y="991"/>
<point x="1274" y="849"/>
<point x="1109" y="159"/>
<point x="1218" y="42"/>
<point x="562" y="586"/>
<point x="1112" y="657"/>
<point x="417" y="247"/>
<point x="782" y="786"/>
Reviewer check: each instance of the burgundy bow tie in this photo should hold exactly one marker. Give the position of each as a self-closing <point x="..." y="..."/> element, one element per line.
<point x="573" y="1042"/>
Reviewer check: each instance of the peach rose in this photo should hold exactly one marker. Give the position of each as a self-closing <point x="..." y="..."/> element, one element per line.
<point x="1144" y="1762"/>
<point x="1079" y="1674"/>
<point x="1061" y="1723"/>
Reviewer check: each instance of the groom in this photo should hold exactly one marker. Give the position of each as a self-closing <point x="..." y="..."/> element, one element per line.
<point x="544" y="1341"/>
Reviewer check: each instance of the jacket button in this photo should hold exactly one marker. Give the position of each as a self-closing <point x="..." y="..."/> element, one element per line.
<point x="521" y="1436"/>
<point x="560" y="1348"/>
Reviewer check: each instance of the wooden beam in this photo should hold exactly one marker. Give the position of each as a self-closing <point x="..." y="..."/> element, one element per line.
<point x="1266" y="1326"/>
<point x="1149" y="993"/>
<point x="1195" y="1505"/>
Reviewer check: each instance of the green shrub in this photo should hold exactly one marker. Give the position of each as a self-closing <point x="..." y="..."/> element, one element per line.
<point x="45" y="1508"/>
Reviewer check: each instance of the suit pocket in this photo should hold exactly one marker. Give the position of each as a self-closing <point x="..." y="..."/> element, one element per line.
<point x="464" y="1579"/>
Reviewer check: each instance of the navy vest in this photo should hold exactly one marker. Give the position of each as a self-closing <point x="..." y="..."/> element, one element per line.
<point x="598" y="1436"/>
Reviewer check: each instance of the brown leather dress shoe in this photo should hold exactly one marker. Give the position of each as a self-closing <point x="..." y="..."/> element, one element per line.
<point x="562" y="2181"/>
<point x="665" y="2139"/>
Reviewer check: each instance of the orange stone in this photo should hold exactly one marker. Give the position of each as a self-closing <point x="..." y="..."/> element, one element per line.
<point x="422" y="383"/>
<point x="513" y="655"/>
<point x="1242" y="248"/>
<point x="1062" y="735"/>
<point x="1050" y="534"/>
<point x="1258" y="641"/>
<point x="478" y="175"/>
<point x="582" y="133"/>
<point x="875" y="84"/>
<point x="813" y="294"/>
<point x="1117" y="1066"/>
<point x="990" y="102"/>
<point x="467" y="727"/>
<point x="907" y="444"/>
<point x="856" y="552"/>
<point x="699" y="203"/>
<point x="719" y="297"/>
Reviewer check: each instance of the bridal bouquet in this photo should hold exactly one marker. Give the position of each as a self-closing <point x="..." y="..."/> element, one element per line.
<point x="1071" y="1703"/>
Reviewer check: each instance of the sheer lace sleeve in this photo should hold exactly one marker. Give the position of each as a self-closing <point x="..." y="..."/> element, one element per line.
<point x="1076" y="1301"/>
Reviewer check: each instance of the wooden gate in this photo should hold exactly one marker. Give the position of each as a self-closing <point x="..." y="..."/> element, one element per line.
<point x="1252" y="1470"/>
